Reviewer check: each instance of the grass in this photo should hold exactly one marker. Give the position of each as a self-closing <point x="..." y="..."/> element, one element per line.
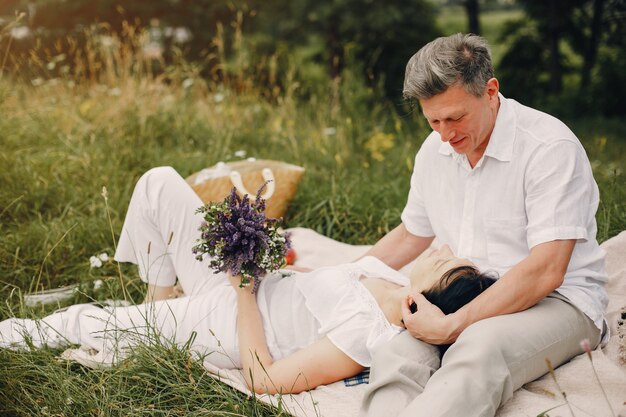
<point x="62" y="141"/>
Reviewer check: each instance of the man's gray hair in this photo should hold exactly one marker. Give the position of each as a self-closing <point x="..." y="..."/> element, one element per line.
<point x="460" y="58"/>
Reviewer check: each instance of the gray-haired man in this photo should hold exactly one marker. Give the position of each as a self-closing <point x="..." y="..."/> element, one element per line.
<point x="511" y="189"/>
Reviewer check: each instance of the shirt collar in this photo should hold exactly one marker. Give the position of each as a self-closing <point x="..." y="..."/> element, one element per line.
<point x="502" y="139"/>
<point x="500" y="144"/>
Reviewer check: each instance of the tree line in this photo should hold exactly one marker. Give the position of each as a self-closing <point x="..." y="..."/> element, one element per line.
<point x="565" y="55"/>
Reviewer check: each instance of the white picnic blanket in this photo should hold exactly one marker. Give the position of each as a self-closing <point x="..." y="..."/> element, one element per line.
<point x="576" y="377"/>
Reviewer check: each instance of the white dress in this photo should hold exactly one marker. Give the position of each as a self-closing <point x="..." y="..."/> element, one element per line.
<point x="296" y="310"/>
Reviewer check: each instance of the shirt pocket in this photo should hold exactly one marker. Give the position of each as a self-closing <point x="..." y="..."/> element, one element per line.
<point x="506" y="241"/>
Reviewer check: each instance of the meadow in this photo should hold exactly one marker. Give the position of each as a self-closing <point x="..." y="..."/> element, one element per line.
<point x="62" y="140"/>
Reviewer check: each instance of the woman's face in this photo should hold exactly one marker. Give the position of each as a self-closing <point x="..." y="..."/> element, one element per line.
<point x="429" y="267"/>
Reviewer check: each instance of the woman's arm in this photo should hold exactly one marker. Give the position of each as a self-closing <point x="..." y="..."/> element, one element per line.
<point x="156" y="293"/>
<point x="318" y="364"/>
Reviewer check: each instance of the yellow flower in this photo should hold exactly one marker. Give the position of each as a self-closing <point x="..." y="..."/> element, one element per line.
<point x="379" y="143"/>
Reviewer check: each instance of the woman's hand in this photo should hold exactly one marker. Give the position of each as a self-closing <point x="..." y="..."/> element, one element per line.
<point x="235" y="281"/>
<point x="428" y="323"/>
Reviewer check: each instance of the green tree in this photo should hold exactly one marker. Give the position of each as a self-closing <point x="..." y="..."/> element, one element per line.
<point x="377" y="37"/>
<point x="473" y="11"/>
<point x="380" y="36"/>
<point x="534" y="66"/>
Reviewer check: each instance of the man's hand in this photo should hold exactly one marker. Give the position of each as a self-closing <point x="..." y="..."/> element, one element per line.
<point x="428" y="323"/>
<point x="523" y="286"/>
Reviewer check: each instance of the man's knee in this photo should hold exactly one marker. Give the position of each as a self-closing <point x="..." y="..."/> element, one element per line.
<point x="405" y="355"/>
<point x="400" y="370"/>
<point x="482" y="340"/>
<point x="406" y="346"/>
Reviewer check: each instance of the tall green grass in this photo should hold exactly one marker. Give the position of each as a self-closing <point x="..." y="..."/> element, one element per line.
<point x="61" y="141"/>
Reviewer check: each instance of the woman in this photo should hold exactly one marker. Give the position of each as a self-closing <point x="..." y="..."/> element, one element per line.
<point x="296" y="333"/>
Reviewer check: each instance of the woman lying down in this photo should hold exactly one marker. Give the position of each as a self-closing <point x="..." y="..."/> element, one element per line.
<point x="297" y="332"/>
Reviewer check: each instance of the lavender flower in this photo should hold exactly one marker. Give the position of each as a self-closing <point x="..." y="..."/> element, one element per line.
<point x="239" y="238"/>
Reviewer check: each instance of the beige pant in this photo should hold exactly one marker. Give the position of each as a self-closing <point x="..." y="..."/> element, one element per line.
<point x="489" y="361"/>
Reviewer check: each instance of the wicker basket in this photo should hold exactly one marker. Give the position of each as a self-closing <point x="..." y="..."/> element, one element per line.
<point x="214" y="183"/>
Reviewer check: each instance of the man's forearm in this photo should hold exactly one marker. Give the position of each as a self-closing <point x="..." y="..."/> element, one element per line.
<point x="521" y="287"/>
<point x="399" y="247"/>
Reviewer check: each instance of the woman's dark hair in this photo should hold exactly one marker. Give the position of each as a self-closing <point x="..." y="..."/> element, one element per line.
<point x="457" y="287"/>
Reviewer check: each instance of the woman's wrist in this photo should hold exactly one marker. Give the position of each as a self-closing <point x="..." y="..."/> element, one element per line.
<point x="245" y="294"/>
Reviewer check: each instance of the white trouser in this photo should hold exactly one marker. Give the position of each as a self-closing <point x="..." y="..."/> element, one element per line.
<point x="205" y="322"/>
<point x="162" y="216"/>
<point x="162" y="204"/>
<point x="489" y="361"/>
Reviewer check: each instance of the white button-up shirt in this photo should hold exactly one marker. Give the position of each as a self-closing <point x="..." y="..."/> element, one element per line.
<point x="533" y="185"/>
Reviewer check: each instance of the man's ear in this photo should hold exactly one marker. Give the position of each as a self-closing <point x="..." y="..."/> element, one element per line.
<point x="492" y="88"/>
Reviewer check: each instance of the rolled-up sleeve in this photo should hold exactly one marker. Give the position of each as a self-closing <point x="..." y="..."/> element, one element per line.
<point x="414" y="216"/>
<point x="561" y="195"/>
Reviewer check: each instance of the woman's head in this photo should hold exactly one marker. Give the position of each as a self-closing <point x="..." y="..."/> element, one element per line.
<point x="456" y="288"/>
<point x="431" y="266"/>
<point x="447" y="281"/>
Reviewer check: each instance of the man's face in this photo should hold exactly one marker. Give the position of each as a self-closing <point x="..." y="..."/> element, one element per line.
<point x="462" y="119"/>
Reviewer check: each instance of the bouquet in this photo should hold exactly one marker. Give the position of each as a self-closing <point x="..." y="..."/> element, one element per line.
<point x="240" y="239"/>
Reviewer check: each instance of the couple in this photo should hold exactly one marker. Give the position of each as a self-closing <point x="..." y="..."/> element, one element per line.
<point x="503" y="185"/>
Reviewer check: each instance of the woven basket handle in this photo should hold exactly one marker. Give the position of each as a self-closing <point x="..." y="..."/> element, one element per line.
<point x="268" y="175"/>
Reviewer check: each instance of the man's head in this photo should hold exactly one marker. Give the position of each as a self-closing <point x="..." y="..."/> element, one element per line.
<point x="457" y="59"/>
<point x="453" y="80"/>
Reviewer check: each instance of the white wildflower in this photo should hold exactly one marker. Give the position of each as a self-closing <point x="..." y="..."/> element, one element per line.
<point x="329" y="131"/>
<point x="107" y="41"/>
<point x="218" y="97"/>
<point x="188" y="82"/>
<point x="152" y="50"/>
<point x="97" y="284"/>
<point x="95" y="262"/>
<point x="240" y="153"/>
<point x="20" y="32"/>
<point x="181" y="35"/>
<point x="103" y="256"/>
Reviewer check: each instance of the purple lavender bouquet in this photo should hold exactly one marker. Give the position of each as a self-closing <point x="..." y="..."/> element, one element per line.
<point x="239" y="238"/>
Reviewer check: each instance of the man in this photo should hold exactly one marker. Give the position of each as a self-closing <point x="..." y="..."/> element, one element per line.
<point x="511" y="189"/>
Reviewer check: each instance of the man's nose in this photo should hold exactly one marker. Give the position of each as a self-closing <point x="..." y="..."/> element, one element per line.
<point x="446" y="132"/>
